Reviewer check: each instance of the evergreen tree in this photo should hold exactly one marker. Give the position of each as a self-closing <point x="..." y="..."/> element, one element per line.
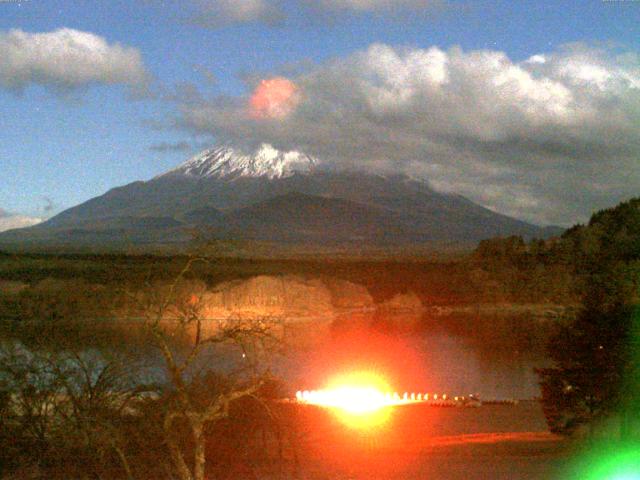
<point x="593" y="359"/>
<point x="596" y="357"/>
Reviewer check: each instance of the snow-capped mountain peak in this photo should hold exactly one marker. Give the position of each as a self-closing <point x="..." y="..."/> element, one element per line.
<point x="226" y="162"/>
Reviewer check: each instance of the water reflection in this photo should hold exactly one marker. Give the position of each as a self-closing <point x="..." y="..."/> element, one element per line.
<point x="492" y="357"/>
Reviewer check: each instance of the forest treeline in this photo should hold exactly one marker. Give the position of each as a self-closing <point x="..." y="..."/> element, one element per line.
<point x="605" y="251"/>
<point x="500" y="270"/>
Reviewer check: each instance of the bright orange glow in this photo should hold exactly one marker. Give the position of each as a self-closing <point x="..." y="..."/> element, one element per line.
<point x="273" y="98"/>
<point x="356" y="393"/>
<point x="365" y="399"/>
<point x="359" y="399"/>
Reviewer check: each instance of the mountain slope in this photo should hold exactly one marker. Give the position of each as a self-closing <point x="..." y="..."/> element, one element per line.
<point x="297" y="217"/>
<point x="275" y="196"/>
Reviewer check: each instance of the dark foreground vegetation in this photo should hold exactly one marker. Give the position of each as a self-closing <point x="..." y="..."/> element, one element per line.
<point x="92" y="432"/>
<point x="186" y="401"/>
<point x="77" y="416"/>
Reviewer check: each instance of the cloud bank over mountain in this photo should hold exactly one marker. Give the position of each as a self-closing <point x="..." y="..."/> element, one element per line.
<point x="546" y="139"/>
<point x="66" y="59"/>
<point x="9" y="221"/>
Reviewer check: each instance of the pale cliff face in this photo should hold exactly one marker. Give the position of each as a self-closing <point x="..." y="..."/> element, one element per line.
<point x="287" y="297"/>
<point x="302" y="308"/>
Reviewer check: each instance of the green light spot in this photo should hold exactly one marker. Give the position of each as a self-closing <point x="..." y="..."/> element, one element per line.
<point x="621" y="463"/>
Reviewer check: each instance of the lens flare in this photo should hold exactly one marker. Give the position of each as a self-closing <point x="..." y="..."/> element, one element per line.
<point x="273" y="98"/>
<point x="359" y="399"/>
<point x="608" y="461"/>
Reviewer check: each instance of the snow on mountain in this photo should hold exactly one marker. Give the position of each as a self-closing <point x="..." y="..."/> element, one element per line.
<point x="226" y="162"/>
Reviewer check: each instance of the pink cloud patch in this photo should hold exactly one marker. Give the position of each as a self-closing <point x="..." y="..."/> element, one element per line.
<point x="273" y="98"/>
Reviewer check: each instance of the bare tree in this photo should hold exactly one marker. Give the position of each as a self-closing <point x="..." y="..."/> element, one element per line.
<point x="239" y="348"/>
<point x="65" y="409"/>
<point x="71" y="410"/>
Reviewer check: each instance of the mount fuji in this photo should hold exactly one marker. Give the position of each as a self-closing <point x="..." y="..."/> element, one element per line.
<point x="272" y="196"/>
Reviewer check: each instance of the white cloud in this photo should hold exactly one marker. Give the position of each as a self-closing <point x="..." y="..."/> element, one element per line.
<point x="9" y="221"/>
<point x="548" y="139"/>
<point x="66" y="59"/>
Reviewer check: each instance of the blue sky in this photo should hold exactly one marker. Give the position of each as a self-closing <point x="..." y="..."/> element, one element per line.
<point x="69" y="145"/>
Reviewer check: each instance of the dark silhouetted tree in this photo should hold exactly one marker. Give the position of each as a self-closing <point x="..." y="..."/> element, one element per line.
<point x="592" y="358"/>
<point x="595" y="372"/>
<point x="199" y="397"/>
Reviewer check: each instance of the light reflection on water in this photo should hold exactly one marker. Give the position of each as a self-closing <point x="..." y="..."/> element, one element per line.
<point x="452" y="367"/>
<point x="499" y="366"/>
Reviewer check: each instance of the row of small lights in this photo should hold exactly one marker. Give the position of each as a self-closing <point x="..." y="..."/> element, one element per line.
<point x="308" y="396"/>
